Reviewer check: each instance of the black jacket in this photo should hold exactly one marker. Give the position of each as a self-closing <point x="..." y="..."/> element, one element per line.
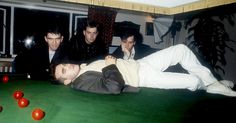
<point x="109" y="81"/>
<point x="82" y="52"/>
<point x="141" y="50"/>
<point x="35" y="62"/>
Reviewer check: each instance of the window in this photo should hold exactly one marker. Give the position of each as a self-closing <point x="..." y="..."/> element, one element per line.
<point x="78" y="22"/>
<point x="31" y="23"/>
<point x="4" y="29"/>
<point x="19" y="20"/>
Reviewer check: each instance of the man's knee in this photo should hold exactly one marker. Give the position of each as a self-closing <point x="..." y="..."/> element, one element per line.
<point x="181" y="46"/>
<point x="182" y="49"/>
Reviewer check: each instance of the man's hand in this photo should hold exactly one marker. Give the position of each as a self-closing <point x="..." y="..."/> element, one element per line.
<point x="125" y="50"/>
<point x="110" y="60"/>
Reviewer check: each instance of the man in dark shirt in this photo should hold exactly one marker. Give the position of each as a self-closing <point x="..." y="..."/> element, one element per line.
<point x="37" y="60"/>
<point x="132" y="47"/>
<point x="86" y="46"/>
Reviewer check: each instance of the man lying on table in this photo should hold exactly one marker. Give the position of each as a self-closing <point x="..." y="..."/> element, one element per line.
<point x="113" y="76"/>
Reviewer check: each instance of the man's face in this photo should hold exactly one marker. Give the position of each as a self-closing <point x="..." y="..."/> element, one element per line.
<point x="67" y="72"/>
<point x="53" y="40"/>
<point x="128" y="43"/>
<point x="90" y="34"/>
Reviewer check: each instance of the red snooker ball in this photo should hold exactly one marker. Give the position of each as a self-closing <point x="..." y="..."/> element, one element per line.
<point x="38" y="114"/>
<point x="5" y="79"/>
<point x="23" y="102"/>
<point x="18" y="94"/>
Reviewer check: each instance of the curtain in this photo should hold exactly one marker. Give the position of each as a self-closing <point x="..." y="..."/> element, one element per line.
<point x="106" y="18"/>
<point x="161" y="27"/>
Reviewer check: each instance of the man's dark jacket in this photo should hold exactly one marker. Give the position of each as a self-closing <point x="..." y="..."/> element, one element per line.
<point x="82" y="52"/>
<point x="141" y="50"/>
<point x="35" y="62"/>
<point x="109" y="81"/>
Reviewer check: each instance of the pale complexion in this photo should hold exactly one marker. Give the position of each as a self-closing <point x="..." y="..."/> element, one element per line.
<point x="53" y="40"/>
<point x="127" y="45"/>
<point x="69" y="72"/>
<point x="90" y="34"/>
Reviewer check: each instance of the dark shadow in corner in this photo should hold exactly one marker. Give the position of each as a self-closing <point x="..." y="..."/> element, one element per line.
<point x="212" y="111"/>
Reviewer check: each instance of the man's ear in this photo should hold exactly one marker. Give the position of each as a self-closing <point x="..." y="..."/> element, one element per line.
<point x="67" y="81"/>
<point x="84" y="32"/>
<point x="45" y="38"/>
<point x="62" y="37"/>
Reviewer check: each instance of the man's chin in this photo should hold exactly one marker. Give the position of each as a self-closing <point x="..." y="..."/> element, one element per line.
<point x="54" y="49"/>
<point x="91" y="41"/>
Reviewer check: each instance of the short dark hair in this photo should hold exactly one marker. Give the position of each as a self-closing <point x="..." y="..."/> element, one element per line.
<point x="53" y="28"/>
<point x="91" y="24"/>
<point x="53" y="70"/>
<point x="53" y="77"/>
<point x="126" y="34"/>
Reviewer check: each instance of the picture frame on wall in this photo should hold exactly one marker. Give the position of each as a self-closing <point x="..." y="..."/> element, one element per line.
<point x="149" y="28"/>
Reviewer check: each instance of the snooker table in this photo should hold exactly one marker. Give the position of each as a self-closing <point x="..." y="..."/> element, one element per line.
<point x="62" y="104"/>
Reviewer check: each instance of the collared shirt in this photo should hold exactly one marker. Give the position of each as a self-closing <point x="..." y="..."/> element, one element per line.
<point x="129" y="56"/>
<point x="51" y="54"/>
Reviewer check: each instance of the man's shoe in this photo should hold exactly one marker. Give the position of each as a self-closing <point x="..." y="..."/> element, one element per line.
<point x="227" y="83"/>
<point x="218" y="88"/>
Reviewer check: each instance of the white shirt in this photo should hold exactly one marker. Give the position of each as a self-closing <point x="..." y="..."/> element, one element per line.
<point x="129" y="56"/>
<point x="51" y="54"/>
